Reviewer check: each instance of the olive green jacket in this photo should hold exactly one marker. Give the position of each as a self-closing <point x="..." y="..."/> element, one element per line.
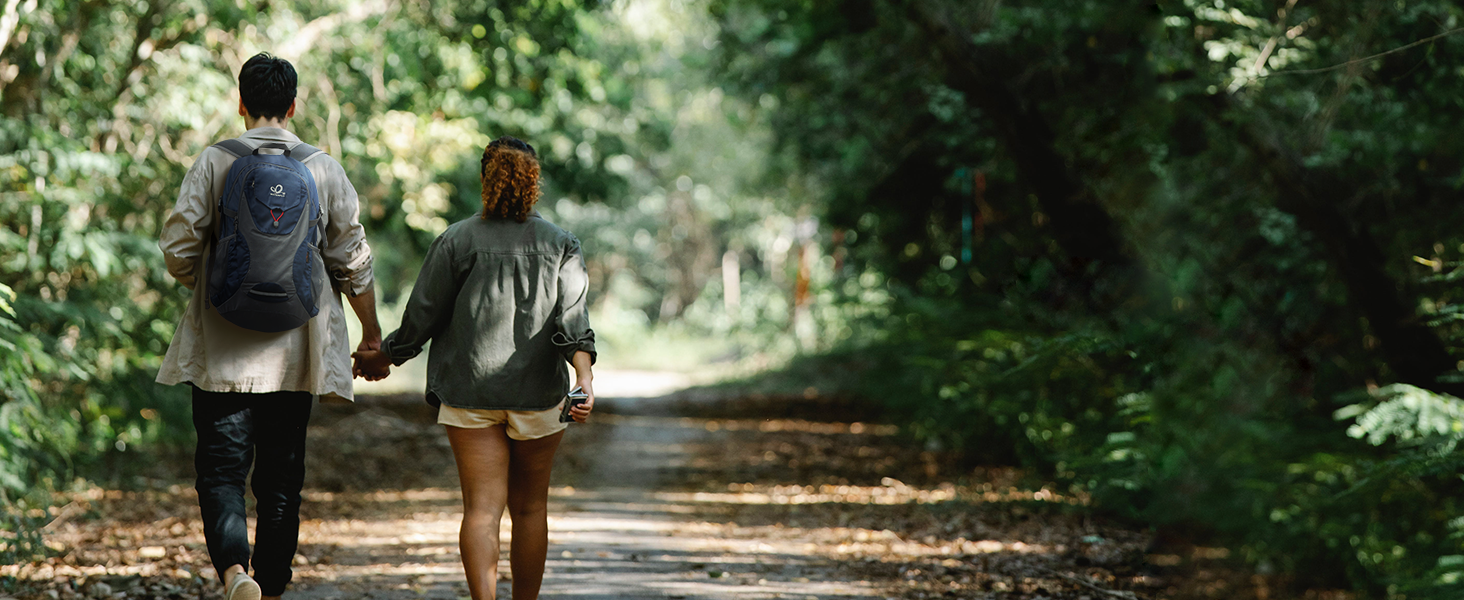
<point x="504" y="304"/>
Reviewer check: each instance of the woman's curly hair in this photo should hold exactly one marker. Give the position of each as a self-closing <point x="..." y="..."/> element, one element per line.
<point x="510" y="171"/>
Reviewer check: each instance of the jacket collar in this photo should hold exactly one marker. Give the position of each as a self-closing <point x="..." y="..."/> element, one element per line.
<point x="265" y="135"/>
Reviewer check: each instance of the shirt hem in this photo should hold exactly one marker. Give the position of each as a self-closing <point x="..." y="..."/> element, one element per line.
<point x="247" y="387"/>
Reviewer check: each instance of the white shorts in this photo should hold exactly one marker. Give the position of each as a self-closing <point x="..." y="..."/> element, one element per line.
<point x="520" y="424"/>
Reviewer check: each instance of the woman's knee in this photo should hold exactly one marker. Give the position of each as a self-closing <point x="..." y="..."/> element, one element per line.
<point x="527" y="506"/>
<point x="484" y="511"/>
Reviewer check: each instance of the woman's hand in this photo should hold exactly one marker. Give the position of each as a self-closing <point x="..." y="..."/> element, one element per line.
<point x="581" y="412"/>
<point x="584" y="378"/>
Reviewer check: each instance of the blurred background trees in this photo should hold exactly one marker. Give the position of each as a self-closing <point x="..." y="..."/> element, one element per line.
<point x="1156" y="248"/>
<point x="1196" y="259"/>
<point x="103" y="106"/>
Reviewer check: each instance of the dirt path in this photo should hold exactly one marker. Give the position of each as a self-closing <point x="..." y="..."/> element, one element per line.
<point x="623" y="524"/>
<point x="682" y="497"/>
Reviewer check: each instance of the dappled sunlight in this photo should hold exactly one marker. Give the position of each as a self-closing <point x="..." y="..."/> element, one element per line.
<point x="386" y="496"/>
<point x="891" y="493"/>
<point x="601" y="543"/>
<point x="752" y="425"/>
<point x="924" y="298"/>
<point x="423" y="528"/>
<point x="46" y="572"/>
<point x="645" y="505"/>
<point x="651" y="504"/>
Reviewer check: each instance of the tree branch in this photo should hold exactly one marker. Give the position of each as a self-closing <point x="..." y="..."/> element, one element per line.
<point x="1357" y="61"/>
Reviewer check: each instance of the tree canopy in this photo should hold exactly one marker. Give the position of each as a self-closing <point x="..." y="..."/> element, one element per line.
<point x="1169" y="249"/>
<point x="1195" y="258"/>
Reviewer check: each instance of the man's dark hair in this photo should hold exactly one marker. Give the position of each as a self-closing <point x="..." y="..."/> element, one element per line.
<point x="267" y="86"/>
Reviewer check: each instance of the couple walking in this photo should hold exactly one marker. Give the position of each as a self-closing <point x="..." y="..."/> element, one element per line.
<point x="267" y="242"/>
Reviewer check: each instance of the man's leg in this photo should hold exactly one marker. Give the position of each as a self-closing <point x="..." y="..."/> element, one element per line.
<point x="528" y="505"/>
<point x="224" y="423"/>
<point x="482" y="461"/>
<point x="279" y="472"/>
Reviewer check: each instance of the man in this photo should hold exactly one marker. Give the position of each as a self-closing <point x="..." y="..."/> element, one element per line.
<point x="251" y="389"/>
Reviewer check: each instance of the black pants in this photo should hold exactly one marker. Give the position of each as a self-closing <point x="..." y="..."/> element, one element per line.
<point x="234" y="430"/>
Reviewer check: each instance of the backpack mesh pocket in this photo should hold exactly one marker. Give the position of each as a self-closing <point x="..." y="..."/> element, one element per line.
<point x="233" y="263"/>
<point x="304" y="270"/>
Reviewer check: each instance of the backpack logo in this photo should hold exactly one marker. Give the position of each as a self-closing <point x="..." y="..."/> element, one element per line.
<point x="277" y="190"/>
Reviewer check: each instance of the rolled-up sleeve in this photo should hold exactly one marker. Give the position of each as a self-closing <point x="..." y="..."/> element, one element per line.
<point x="347" y="256"/>
<point x="186" y="230"/>
<point x="429" y="309"/>
<point x="573" y="318"/>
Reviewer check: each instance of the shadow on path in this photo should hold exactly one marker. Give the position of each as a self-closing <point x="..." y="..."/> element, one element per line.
<point x="617" y="529"/>
<point x="682" y="496"/>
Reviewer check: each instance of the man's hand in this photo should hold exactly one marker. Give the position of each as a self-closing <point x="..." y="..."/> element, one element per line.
<point x="372" y="364"/>
<point x="369" y="343"/>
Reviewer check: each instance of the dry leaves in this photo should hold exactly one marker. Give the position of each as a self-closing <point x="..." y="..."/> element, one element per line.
<point x="382" y="490"/>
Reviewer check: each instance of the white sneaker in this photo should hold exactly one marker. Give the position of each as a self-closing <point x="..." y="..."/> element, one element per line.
<point x="242" y="588"/>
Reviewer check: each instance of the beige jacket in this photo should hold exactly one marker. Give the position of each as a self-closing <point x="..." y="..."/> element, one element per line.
<point x="217" y="355"/>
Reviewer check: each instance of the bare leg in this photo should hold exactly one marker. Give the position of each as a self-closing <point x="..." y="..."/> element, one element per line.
<point x="528" y="500"/>
<point x="483" y="465"/>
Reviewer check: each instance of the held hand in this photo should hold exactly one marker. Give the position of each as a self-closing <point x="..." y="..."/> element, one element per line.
<point x="369" y="343"/>
<point x="367" y="368"/>
<point x="581" y="413"/>
<point x="374" y="365"/>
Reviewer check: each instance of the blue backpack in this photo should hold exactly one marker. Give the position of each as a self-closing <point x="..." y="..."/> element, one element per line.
<point x="262" y="275"/>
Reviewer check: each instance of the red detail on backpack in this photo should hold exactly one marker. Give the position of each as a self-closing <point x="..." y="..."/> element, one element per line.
<point x="277" y="218"/>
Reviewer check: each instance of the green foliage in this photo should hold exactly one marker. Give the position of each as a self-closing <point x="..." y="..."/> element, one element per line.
<point x="1185" y="254"/>
<point x="1409" y="415"/>
<point x="1151" y="249"/>
<point x="19" y="456"/>
<point x="103" y="106"/>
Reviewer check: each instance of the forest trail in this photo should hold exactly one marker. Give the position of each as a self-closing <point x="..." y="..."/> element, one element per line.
<point x="687" y="495"/>
<point x="623" y="523"/>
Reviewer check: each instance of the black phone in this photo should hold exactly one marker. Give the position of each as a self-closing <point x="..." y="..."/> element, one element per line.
<point x="575" y="397"/>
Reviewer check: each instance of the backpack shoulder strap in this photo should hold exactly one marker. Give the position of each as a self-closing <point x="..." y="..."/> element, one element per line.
<point x="303" y="152"/>
<point x="234" y="147"/>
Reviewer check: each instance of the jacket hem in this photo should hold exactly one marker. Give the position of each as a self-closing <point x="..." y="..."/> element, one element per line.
<point x="430" y="392"/>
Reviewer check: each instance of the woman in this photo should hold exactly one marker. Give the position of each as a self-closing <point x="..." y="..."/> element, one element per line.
<point x="502" y="297"/>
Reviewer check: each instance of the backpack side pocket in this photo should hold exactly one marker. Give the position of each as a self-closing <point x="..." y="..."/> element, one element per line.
<point x="231" y="266"/>
<point x="304" y="273"/>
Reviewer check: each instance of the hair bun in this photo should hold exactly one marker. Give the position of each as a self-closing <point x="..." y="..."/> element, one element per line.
<point x="509" y="141"/>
